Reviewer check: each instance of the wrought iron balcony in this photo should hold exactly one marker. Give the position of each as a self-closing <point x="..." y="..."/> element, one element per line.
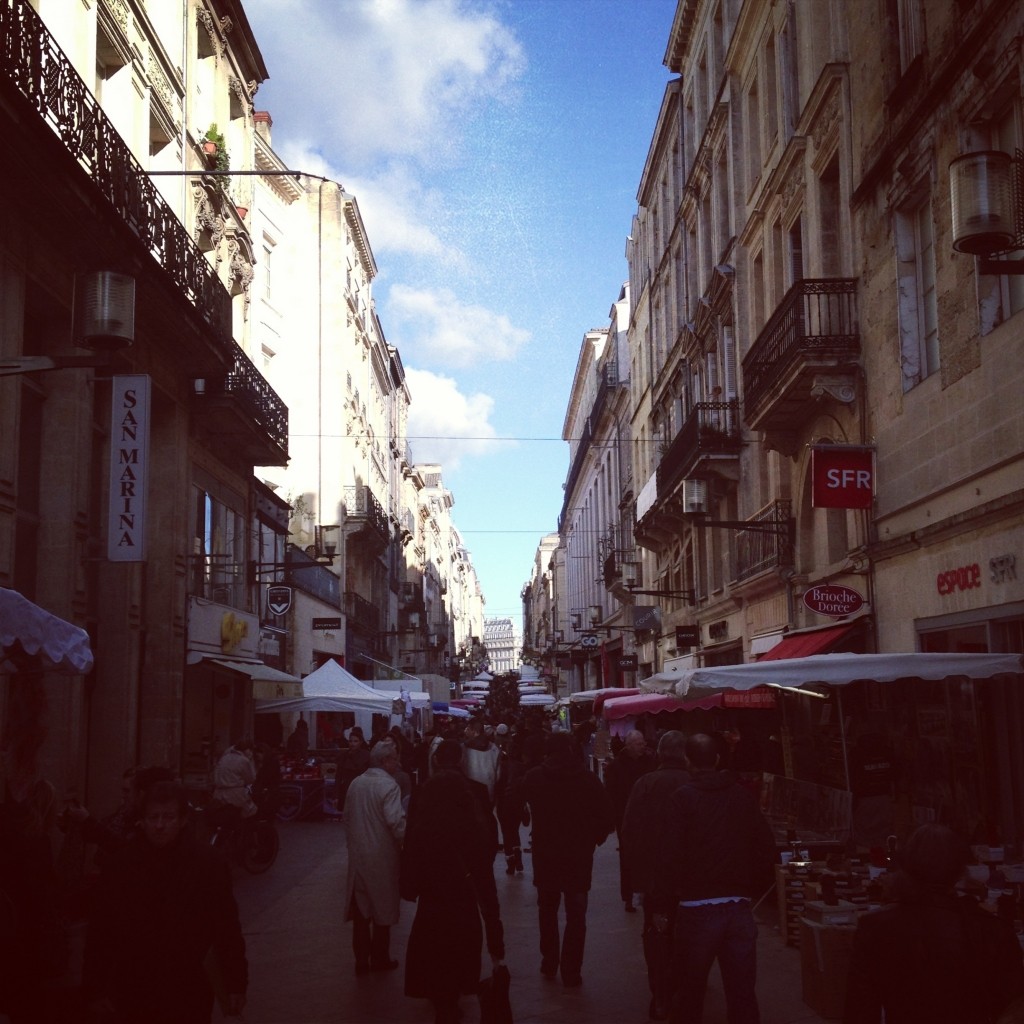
<point x="809" y="347"/>
<point x="242" y="407"/>
<point x="756" y="551"/>
<point x="365" y="516"/>
<point x="37" y="68"/>
<point x="708" y="444"/>
<point x="361" y="613"/>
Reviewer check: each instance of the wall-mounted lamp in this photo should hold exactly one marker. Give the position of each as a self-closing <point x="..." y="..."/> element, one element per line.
<point x="594" y="614"/>
<point x="576" y="620"/>
<point x="327" y="540"/>
<point x="103" y="319"/>
<point x="987" y="201"/>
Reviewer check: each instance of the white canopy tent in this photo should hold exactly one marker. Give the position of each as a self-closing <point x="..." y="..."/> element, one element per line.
<point x="333" y="688"/>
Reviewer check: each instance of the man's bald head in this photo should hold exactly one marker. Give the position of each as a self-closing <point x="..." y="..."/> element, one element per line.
<point x="702" y="751"/>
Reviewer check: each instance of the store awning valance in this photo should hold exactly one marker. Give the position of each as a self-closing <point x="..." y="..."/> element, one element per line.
<point x="843" y="669"/>
<point x="802" y="645"/>
<point x="267" y="683"/>
<point x="655" y="703"/>
<point x="59" y="645"/>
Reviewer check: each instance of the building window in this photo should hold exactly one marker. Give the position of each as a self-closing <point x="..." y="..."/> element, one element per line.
<point x="918" y="302"/>
<point x="1006" y="136"/>
<point x="908" y="14"/>
<point x="218" y="550"/>
<point x="753" y="134"/>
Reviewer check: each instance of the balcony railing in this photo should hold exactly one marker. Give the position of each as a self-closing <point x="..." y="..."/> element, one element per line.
<point x="759" y="550"/>
<point x="816" y="320"/>
<point x="361" y="613"/>
<point x="256" y="399"/>
<point x="363" y="509"/>
<point x="37" y="67"/>
<point x="711" y="430"/>
<point x="303" y="573"/>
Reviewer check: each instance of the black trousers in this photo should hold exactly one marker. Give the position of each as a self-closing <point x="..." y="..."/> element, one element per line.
<point x="371" y="942"/>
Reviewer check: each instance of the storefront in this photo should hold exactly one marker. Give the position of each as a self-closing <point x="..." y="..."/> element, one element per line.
<point x="223" y="676"/>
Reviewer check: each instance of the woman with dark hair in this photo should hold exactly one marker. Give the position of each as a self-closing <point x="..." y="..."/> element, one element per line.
<point x="447" y="869"/>
<point x="934" y="955"/>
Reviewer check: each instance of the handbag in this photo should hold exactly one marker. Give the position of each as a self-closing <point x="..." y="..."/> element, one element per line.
<point x="495" y="1007"/>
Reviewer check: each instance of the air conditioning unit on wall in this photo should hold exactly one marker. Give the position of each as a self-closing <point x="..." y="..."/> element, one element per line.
<point x="695" y="497"/>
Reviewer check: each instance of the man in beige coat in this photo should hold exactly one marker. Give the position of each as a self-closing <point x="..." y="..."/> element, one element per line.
<point x="374" y="830"/>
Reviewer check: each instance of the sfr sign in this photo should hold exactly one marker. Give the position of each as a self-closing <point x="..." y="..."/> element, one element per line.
<point x="842" y="476"/>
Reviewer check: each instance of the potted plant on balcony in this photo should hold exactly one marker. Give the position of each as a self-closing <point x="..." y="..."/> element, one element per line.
<point x="214" y="147"/>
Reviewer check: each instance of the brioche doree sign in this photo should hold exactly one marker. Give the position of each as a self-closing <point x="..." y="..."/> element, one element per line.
<point x="833" y="599"/>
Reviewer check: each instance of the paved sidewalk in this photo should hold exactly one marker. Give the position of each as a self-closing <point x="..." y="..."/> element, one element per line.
<point x="301" y="962"/>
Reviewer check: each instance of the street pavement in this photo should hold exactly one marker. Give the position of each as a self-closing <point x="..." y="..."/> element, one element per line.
<point x="302" y="968"/>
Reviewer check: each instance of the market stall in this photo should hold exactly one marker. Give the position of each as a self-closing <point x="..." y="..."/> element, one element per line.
<point x="885" y="741"/>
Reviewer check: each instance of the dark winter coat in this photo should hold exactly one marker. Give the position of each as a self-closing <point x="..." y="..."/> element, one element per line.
<point x="940" y="959"/>
<point x="158" y="914"/>
<point x="621" y="774"/>
<point x="643" y="826"/>
<point x="571" y="815"/>
<point x="717" y="841"/>
<point x="447" y="869"/>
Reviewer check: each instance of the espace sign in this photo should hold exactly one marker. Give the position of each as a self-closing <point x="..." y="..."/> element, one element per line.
<point x="842" y="476"/>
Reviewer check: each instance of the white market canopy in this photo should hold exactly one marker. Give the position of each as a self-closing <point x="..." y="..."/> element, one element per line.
<point x="482" y="676"/>
<point x="333" y="688"/>
<point x="536" y="700"/>
<point x="59" y="645"/>
<point x="835" y="670"/>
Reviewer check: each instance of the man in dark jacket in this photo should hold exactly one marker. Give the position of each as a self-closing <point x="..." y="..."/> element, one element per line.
<point x="719" y="856"/>
<point x="164" y="906"/>
<point x="447" y="869"/>
<point x="643" y="839"/>
<point x="629" y="764"/>
<point x="571" y="816"/>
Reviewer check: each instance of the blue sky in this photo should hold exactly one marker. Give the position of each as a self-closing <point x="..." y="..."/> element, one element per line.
<point x="495" y="150"/>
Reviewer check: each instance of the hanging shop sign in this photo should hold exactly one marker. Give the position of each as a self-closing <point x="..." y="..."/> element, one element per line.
<point x="842" y="476"/>
<point x="687" y="636"/>
<point x="833" y="599"/>
<point x="329" y="623"/>
<point x="129" y="467"/>
<point x="279" y="600"/>
<point x="760" y="698"/>
<point x="627" y="662"/>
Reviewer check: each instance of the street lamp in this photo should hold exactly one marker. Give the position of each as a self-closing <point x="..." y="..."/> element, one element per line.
<point x="987" y="201"/>
<point x="103" y="320"/>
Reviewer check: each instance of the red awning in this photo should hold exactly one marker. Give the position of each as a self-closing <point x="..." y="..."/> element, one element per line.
<point x="800" y="645"/>
<point x="655" y="703"/>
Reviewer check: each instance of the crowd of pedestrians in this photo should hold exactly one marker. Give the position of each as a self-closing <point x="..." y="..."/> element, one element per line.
<point x="427" y="818"/>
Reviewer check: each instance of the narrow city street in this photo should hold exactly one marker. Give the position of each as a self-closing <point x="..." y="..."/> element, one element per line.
<point x="301" y="964"/>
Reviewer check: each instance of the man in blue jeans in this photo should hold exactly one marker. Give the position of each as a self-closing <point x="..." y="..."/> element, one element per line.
<point x="571" y="816"/>
<point x="719" y="854"/>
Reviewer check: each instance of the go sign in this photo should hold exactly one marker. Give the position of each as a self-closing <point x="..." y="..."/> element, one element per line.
<point x="842" y="476"/>
<point x="589" y="640"/>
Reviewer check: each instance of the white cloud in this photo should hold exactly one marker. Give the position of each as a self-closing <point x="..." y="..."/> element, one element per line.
<point x="445" y="425"/>
<point x="403" y="75"/>
<point x="435" y="326"/>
